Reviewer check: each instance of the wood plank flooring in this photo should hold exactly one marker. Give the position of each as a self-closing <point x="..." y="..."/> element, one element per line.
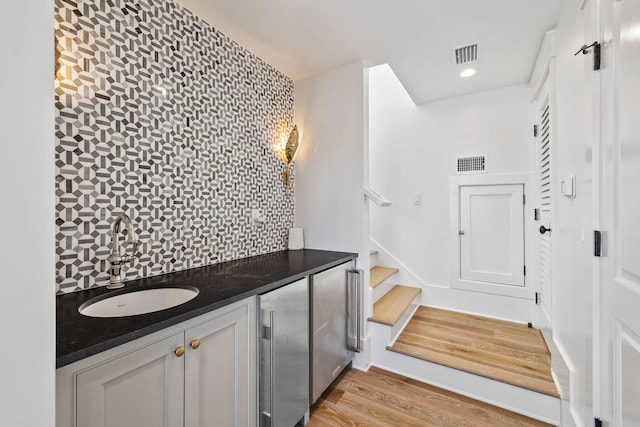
<point x="380" y="398"/>
<point x="509" y="352"/>
<point x="379" y="274"/>
<point x="390" y="307"/>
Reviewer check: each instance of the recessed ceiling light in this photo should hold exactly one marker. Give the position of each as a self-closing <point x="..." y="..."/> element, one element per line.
<point x="468" y="72"/>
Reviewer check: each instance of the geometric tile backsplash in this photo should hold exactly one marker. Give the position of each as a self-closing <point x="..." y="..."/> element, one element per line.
<point x="162" y="117"/>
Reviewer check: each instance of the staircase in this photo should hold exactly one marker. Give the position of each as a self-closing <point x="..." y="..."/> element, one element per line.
<point x="498" y="362"/>
<point x="393" y="304"/>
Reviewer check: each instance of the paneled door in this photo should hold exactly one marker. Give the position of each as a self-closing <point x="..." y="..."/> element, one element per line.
<point x="492" y="234"/>
<point x="218" y="371"/>
<point x="143" y="388"/>
<point x="619" y="291"/>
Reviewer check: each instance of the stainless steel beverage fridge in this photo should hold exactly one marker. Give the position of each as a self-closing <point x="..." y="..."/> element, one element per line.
<point x="284" y="355"/>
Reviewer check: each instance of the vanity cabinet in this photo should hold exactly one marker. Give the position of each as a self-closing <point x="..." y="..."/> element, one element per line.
<point x="201" y="372"/>
<point x="142" y="388"/>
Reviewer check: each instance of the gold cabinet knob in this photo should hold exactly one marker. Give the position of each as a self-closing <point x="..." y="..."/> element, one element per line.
<point x="179" y="351"/>
<point x="460" y="232"/>
<point x="194" y="344"/>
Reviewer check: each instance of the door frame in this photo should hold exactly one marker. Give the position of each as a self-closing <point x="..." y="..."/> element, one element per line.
<point x="455" y="182"/>
<point x="615" y="296"/>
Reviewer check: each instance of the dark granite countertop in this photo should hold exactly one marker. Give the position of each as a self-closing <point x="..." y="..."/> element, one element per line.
<point x="79" y="336"/>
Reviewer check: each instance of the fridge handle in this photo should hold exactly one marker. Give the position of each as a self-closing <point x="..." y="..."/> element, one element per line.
<point x="266" y="419"/>
<point x="354" y="307"/>
<point x="271" y="366"/>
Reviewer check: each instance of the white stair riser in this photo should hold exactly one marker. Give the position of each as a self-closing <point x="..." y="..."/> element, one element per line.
<point x="392" y="332"/>
<point x="373" y="258"/>
<point x="402" y="322"/>
<point x="384" y="287"/>
<point x="526" y="402"/>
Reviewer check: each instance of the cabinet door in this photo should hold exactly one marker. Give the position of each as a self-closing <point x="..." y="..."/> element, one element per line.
<point x="492" y="234"/>
<point x="284" y="359"/>
<point x="329" y="327"/>
<point x="143" y="388"/>
<point x="219" y="371"/>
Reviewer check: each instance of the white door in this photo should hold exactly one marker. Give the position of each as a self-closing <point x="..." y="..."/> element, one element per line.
<point x="144" y="388"/>
<point x="492" y="234"/>
<point x="620" y="265"/>
<point x="218" y="371"/>
<point x="544" y="256"/>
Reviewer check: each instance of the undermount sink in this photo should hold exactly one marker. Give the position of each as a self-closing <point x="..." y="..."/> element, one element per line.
<point x="137" y="302"/>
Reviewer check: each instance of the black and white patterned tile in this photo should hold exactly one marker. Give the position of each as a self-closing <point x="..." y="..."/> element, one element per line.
<point x="162" y="117"/>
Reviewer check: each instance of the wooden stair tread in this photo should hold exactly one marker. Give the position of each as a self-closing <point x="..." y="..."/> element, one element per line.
<point x="504" y="351"/>
<point x="380" y="274"/>
<point x="388" y="309"/>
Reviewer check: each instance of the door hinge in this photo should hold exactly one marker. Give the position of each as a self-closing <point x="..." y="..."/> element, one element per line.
<point x="536" y="214"/>
<point x="524" y="269"/>
<point x="597" y="422"/>
<point x="596" y="53"/>
<point x="597" y="243"/>
<point x="537" y="298"/>
<point x="596" y="56"/>
<point x="266" y="332"/>
<point x="524" y="199"/>
<point x="535" y="130"/>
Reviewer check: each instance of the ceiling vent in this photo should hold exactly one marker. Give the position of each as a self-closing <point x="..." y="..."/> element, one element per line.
<point x="466" y="54"/>
<point x="471" y="164"/>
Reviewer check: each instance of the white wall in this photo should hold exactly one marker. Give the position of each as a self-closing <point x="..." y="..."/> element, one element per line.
<point x="330" y="168"/>
<point x="329" y="180"/>
<point x="27" y="303"/>
<point x="413" y="150"/>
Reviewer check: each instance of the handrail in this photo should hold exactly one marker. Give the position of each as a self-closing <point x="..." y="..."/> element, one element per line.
<point x="376" y="198"/>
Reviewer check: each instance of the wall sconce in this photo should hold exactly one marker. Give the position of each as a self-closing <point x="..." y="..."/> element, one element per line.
<point x="56" y="57"/>
<point x="289" y="152"/>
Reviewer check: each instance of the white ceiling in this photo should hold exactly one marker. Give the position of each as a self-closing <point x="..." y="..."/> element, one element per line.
<point x="416" y="37"/>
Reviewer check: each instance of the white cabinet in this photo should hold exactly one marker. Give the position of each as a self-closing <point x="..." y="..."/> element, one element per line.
<point x="201" y="372"/>
<point x="217" y="375"/>
<point x="142" y="388"/>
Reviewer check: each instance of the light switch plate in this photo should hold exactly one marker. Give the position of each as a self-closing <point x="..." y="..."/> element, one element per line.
<point x="257" y="217"/>
<point x="568" y="186"/>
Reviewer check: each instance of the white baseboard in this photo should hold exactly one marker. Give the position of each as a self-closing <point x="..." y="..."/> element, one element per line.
<point x="362" y="360"/>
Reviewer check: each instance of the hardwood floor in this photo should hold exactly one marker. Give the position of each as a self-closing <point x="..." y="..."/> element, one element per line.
<point x="509" y="352"/>
<point x="380" y="398"/>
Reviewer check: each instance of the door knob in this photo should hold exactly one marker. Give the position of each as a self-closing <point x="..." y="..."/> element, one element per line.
<point x="544" y="229"/>
<point x="194" y="344"/>
<point x="179" y="351"/>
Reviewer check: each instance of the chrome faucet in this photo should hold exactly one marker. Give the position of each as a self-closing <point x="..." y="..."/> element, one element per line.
<point x="115" y="259"/>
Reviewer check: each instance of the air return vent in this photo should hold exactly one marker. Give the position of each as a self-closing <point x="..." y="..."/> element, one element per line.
<point x="466" y="54"/>
<point x="471" y="164"/>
